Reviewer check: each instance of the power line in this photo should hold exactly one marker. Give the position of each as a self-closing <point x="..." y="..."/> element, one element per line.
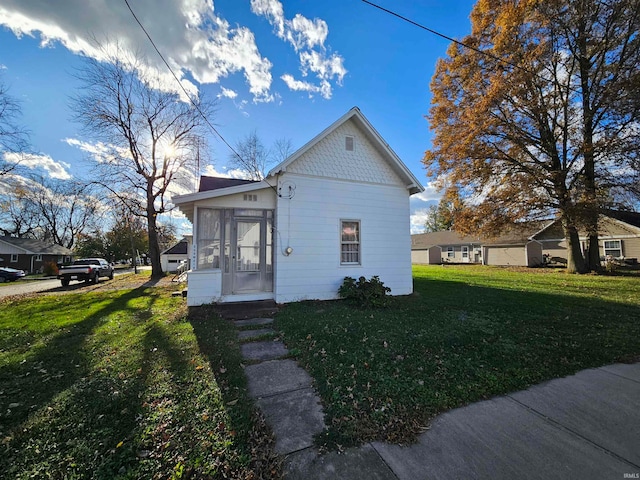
<point x="458" y="42"/>
<point x="197" y="107"/>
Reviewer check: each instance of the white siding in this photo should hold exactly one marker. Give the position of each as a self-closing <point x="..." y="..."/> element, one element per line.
<point x="266" y="200"/>
<point x="205" y="286"/>
<point x="309" y="223"/>
<point x="329" y="158"/>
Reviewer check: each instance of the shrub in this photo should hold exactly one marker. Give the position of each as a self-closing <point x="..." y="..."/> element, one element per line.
<point x="50" y="269"/>
<point x="366" y="293"/>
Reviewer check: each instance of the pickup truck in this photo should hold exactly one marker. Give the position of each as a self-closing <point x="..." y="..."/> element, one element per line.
<point x="87" y="269"/>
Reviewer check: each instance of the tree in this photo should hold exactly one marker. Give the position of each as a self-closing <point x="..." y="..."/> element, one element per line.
<point x="538" y="113"/>
<point x="153" y="137"/>
<point x="13" y="136"/>
<point x="48" y="209"/>
<point x="441" y="217"/>
<point x="92" y="244"/>
<point x="252" y="156"/>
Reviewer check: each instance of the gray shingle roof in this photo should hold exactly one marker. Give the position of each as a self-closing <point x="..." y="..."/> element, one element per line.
<point x="35" y="246"/>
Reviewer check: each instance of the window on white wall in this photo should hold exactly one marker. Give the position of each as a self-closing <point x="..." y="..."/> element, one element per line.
<point x="450" y="252"/>
<point x="349" y="143"/>
<point x="613" y="248"/>
<point x="208" y="245"/>
<point x="349" y="242"/>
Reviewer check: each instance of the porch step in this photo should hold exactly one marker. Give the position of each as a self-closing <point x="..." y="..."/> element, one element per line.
<point x="241" y="310"/>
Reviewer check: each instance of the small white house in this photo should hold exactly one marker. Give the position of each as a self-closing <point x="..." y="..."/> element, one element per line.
<point x="172" y="258"/>
<point x="337" y="207"/>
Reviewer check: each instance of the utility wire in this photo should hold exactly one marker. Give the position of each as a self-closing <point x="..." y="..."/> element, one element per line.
<point x="197" y="107"/>
<point x="434" y="32"/>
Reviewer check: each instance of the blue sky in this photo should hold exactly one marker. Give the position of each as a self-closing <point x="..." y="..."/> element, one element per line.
<point x="283" y="68"/>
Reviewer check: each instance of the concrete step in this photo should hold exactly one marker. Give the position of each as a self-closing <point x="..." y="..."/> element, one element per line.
<point x="243" y="310"/>
<point x="249" y="334"/>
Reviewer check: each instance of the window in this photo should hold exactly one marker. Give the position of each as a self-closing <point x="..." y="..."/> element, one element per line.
<point x="208" y="246"/>
<point x="613" y="248"/>
<point x="465" y="252"/>
<point x="349" y="143"/>
<point x="250" y="197"/>
<point x="14" y="257"/>
<point x="450" y="252"/>
<point x="39" y="258"/>
<point x="350" y="242"/>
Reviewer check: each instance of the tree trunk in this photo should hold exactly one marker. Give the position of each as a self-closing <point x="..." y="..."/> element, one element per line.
<point x="575" y="260"/>
<point x="154" y="247"/>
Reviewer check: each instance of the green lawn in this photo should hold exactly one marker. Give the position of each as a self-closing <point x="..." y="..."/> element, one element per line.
<point x="468" y="333"/>
<point x="124" y="384"/>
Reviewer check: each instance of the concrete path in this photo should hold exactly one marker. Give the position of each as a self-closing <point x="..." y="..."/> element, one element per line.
<point x="584" y="426"/>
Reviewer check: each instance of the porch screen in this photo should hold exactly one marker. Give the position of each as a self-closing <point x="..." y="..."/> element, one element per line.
<point x="208" y="238"/>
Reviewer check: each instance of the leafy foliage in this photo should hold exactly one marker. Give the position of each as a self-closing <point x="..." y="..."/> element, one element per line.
<point x="467" y="334"/>
<point x="538" y="115"/>
<point x="365" y="293"/>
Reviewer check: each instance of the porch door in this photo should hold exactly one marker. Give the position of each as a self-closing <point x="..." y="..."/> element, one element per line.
<point x="251" y="259"/>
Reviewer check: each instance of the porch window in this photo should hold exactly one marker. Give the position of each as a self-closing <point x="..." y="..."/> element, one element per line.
<point x="613" y="248"/>
<point x="14" y="257"/>
<point x="450" y="252"/>
<point x="350" y="242"/>
<point x="208" y="245"/>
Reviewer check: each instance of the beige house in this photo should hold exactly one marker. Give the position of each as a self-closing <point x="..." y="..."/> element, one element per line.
<point x="528" y="244"/>
<point x="445" y="247"/>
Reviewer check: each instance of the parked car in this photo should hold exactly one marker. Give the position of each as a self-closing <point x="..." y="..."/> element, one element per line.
<point x="10" y="274"/>
<point x="85" y="269"/>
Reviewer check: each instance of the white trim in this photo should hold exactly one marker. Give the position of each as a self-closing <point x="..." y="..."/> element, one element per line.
<point x="221" y="192"/>
<point x="359" y="242"/>
<point x="411" y="182"/>
<point x="14" y="258"/>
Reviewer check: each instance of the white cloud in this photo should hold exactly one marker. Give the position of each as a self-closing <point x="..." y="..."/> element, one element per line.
<point x="190" y="36"/>
<point x="44" y="162"/>
<point x="430" y="194"/>
<point x="227" y="93"/>
<point x="308" y="39"/>
<point x="99" y="151"/>
<point x="210" y="171"/>
<point x="418" y="219"/>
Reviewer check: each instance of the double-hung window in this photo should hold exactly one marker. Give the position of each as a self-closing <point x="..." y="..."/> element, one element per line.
<point x="450" y="252"/>
<point x="613" y="248"/>
<point x="350" y="242"/>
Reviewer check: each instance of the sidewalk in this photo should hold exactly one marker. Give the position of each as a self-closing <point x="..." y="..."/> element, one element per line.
<point x="584" y="426"/>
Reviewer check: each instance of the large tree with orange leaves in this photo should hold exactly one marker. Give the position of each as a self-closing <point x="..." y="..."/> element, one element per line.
<point x="538" y="113"/>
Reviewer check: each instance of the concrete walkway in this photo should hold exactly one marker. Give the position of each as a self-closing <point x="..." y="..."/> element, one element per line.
<point x="585" y="426"/>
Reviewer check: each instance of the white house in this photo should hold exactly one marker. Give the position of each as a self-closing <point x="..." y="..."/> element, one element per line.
<point x="337" y="207"/>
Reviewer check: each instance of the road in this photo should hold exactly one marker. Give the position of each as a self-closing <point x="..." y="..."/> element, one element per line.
<point x="53" y="286"/>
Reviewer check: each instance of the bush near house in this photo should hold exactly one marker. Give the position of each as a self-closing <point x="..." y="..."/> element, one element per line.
<point x="125" y="384"/>
<point x="468" y="333"/>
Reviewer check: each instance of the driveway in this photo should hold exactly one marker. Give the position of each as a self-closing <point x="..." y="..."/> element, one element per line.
<point x="49" y="286"/>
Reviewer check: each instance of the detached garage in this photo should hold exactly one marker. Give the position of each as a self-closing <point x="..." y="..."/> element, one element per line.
<point x="527" y="254"/>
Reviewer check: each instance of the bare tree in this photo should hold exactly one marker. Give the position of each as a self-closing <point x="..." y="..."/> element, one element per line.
<point x="13" y="136"/>
<point x="18" y="214"/>
<point x="153" y="136"/>
<point x="282" y="149"/>
<point x="252" y="156"/>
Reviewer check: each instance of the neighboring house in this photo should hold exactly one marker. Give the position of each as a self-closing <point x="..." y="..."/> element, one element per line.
<point x="31" y="255"/>
<point x="618" y="236"/>
<point x="172" y="257"/>
<point x="445" y="247"/>
<point x="337" y="207"/>
<point x="526" y="244"/>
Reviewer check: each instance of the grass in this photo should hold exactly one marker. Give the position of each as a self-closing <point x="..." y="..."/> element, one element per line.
<point x="125" y="384"/>
<point x="467" y="333"/>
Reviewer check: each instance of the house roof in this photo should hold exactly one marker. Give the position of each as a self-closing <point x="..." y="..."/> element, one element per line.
<point x="214" y="183"/>
<point x="179" y="248"/>
<point x="631" y="218"/>
<point x="32" y="246"/>
<point x="518" y="234"/>
<point x="422" y="241"/>
<point x="410" y="181"/>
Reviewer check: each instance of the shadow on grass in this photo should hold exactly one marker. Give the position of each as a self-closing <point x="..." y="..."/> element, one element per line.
<point x="382" y="374"/>
<point x="53" y="368"/>
<point x="218" y="342"/>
